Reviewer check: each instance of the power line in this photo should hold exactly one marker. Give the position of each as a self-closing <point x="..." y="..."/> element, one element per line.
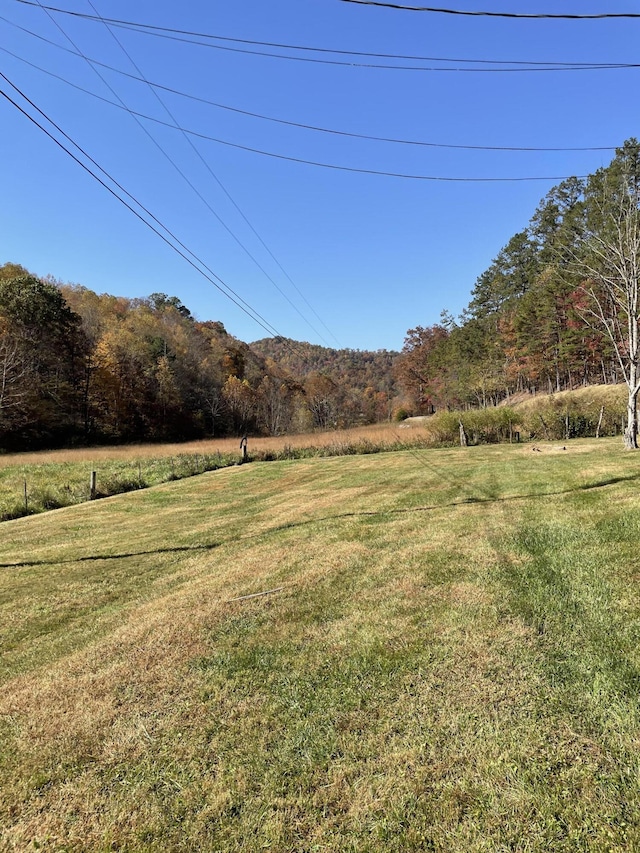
<point x="520" y="67"/>
<point x="332" y="166"/>
<point x="287" y="122"/>
<point x="319" y="164"/>
<point x="529" y="67"/>
<point x="483" y="14"/>
<point x="207" y="166"/>
<point x="174" y="33"/>
<point x="387" y="174"/>
<point x="211" y="276"/>
<point x="168" y="157"/>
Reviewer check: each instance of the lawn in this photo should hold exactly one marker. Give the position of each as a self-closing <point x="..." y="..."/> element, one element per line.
<point x="418" y="650"/>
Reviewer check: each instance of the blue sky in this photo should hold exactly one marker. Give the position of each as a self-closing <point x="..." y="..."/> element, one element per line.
<point x="343" y="259"/>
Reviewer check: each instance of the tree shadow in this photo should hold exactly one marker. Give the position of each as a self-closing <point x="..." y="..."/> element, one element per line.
<point x="122" y="556"/>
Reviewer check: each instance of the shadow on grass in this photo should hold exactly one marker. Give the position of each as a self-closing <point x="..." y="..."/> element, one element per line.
<point x="95" y="557"/>
<point x="178" y="549"/>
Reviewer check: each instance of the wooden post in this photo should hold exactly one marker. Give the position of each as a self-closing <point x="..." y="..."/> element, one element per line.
<point x="599" y="422"/>
<point x="26" y="499"/>
<point x="463" y="435"/>
<point x="92" y="486"/>
<point x="243" y="447"/>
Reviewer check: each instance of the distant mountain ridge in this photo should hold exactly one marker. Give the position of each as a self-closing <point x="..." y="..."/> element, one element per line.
<point x="300" y="359"/>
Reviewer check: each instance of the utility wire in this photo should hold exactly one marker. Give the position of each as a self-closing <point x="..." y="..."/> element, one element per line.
<point x="318" y="164"/>
<point x="165" y="154"/>
<point x="333" y="166"/>
<point x="286" y="122"/>
<point x="207" y="166"/>
<point x="210" y="275"/>
<point x="384" y="66"/>
<point x="173" y="33"/>
<point x="483" y="14"/>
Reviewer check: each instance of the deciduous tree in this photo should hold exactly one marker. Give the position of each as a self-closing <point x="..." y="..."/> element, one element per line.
<point x="610" y="263"/>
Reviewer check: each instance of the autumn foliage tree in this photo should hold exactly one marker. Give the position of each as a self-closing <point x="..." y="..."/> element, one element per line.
<point x="42" y="349"/>
<point x="422" y="367"/>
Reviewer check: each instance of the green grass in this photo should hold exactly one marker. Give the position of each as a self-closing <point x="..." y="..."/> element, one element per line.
<point x="452" y="663"/>
<point x="52" y="485"/>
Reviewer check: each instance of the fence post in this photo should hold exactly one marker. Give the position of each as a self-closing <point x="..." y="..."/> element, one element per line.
<point x="26" y="499"/>
<point x="92" y="486"/>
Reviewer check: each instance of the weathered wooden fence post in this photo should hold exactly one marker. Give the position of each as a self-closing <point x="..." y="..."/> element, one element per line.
<point x="92" y="486"/>
<point x="599" y="422"/>
<point x="26" y="499"/>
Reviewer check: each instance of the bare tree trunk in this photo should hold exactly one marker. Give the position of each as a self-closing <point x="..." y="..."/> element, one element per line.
<point x="631" y="432"/>
<point x="544" y="427"/>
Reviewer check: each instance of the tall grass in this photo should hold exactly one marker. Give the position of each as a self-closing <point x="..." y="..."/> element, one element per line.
<point x="30" y="488"/>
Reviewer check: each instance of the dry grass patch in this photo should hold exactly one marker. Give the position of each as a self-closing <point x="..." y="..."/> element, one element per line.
<point x="375" y="434"/>
<point x="592" y="395"/>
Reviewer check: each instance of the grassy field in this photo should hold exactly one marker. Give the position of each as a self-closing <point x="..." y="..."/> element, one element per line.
<point x="50" y="479"/>
<point x="446" y="658"/>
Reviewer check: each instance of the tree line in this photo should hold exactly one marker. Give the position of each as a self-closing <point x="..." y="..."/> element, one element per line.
<point x="558" y="307"/>
<point x="79" y="367"/>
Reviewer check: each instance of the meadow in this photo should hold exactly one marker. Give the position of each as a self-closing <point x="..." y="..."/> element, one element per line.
<point x="50" y="479"/>
<point x="420" y="649"/>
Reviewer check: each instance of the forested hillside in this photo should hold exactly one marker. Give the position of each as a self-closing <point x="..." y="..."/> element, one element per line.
<point x="557" y="308"/>
<point x="80" y="367"/>
<point x="359" y="386"/>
